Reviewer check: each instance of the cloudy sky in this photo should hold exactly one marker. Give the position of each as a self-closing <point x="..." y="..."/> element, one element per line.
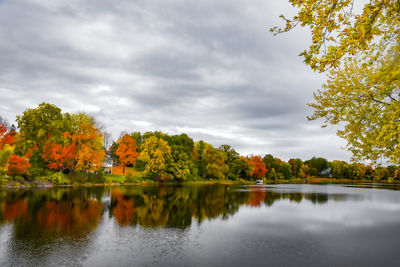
<point x="208" y="68"/>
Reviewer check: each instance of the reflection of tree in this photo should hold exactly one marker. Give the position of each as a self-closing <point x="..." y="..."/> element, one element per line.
<point x="317" y="198"/>
<point x="77" y="212"/>
<point x="177" y="206"/>
<point x="58" y="211"/>
<point x="62" y="217"/>
<point x="257" y="196"/>
<point x="15" y="208"/>
<point x="123" y="211"/>
<point x="173" y="206"/>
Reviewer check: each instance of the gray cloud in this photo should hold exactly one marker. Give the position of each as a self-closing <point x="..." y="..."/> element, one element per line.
<point x="208" y="68"/>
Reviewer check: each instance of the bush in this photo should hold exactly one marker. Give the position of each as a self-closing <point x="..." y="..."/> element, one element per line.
<point x="57" y="178"/>
<point x="129" y="178"/>
<point x="81" y="177"/>
<point x="113" y="178"/>
<point x="96" y="177"/>
<point x="40" y="172"/>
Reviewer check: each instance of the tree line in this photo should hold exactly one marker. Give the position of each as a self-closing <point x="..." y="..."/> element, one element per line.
<point x="49" y="143"/>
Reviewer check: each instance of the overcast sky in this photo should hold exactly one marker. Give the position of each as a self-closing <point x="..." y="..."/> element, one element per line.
<point x="208" y="68"/>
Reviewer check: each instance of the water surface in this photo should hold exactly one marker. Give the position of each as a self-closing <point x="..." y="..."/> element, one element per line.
<point x="207" y="225"/>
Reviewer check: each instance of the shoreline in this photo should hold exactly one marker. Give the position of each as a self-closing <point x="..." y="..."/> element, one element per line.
<point x="48" y="185"/>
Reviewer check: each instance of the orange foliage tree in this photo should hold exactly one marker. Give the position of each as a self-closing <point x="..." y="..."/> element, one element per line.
<point x="80" y="148"/>
<point x="89" y="147"/>
<point x="127" y="150"/>
<point x="18" y="165"/>
<point x="259" y="169"/>
<point x="59" y="157"/>
<point x="6" y="137"/>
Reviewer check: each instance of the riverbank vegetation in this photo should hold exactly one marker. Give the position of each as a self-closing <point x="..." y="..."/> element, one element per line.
<point x="61" y="148"/>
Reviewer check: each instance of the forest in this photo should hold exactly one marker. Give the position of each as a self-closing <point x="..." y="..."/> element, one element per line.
<point x="62" y="148"/>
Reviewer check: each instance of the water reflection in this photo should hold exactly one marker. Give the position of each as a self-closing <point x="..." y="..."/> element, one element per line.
<point x="77" y="212"/>
<point x="56" y="212"/>
<point x="63" y="226"/>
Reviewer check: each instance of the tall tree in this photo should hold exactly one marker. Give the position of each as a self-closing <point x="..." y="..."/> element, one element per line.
<point x="361" y="52"/>
<point x="231" y="160"/>
<point x="215" y="164"/>
<point x="127" y="150"/>
<point x="156" y="153"/>
<point x="200" y="151"/>
<point x="88" y="142"/>
<point x="181" y="166"/>
<point x="36" y="127"/>
<point x="259" y="170"/>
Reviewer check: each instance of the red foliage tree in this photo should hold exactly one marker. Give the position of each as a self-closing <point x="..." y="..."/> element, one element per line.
<point x="259" y="169"/>
<point x="127" y="150"/>
<point x="59" y="157"/>
<point x="6" y="138"/>
<point x="18" y="165"/>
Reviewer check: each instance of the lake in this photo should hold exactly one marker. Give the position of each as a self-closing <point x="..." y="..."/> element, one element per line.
<point x="202" y="225"/>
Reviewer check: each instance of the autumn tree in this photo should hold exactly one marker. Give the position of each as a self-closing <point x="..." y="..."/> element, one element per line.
<point x="88" y="141"/>
<point x="5" y="154"/>
<point x="259" y="170"/>
<point x="18" y="165"/>
<point x="295" y="165"/>
<point x="156" y="154"/>
<point x="59" y="156"/>
<point x="7" y="136"/>
<point x="304" y="171"/>
<point x="36" y="126"/>
<point x="361" y="53"/>
<point x="6" y="146"/>
<point x="127" y="150"/>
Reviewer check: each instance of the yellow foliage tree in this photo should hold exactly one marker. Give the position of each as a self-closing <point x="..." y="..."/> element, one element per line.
<point x="156" y="154"/>
<point x="361" y="52"/>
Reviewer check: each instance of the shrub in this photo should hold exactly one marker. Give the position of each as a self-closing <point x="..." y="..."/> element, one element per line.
<point x="96" y="177"/>
<point x="129" y="178"/>
<point x="57" y="178"/>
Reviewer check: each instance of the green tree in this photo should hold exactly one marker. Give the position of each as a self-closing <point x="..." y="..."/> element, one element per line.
<point x="138" y="138"/>
<point x="380" y="173"/>
<point x="272" y="174"/>
<point x="231" y="161"/>
<point x="317" y="165"/>
<point x="36" y="126"/>
<point x="286" y="170"/>
<point x="181" y="166"/>
<point x="199" y="158"/>
<point x="394" y="172"/>
<point x="215" y="167"/>
<point x="242" y="167"/>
